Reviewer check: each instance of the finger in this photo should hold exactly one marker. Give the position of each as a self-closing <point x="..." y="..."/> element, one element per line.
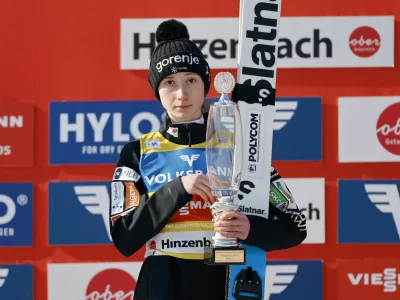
<point x="202" y="194"/>
<point x="232" y="222"/>
<point x="228" y="229"/>
<point x="207" y="191"/>
<point x="231" y="215"/>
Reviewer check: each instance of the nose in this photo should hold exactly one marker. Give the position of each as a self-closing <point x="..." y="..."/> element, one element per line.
<point x="182" y="93"/>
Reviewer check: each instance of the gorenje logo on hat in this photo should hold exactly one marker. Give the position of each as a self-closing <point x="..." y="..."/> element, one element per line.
<point x="180" y="58"/>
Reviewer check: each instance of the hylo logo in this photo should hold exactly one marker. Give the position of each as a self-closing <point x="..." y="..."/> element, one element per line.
<point x="388" y="128"/>
<point x="364" y="41"/>
<point x="11" y="210"/>
<point x="111" y="284"/>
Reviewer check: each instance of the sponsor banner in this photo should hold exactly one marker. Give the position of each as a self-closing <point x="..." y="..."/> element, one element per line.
<point x="297" y="121"/>
<point x="16" y="132"/>
<point x="16" y="282"/>
<point x="376" y="203"/>
<point x="79" y="213"/>
<point x="368" y="279"/>
<point x="293" y="280"/>
<point x="16" y="209"/>
<point x="285" y="280"/>
<point x="374" y="134"/>
<point x="317" y="42"/>
<point x="92" y="281"/>
<point x="95" y="132"/>
<point x="309" y="194"/>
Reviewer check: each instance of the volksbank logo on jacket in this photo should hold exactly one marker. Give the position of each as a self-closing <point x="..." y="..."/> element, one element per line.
<point x="16" y="282"/>
<point x="16" y="203"/>
<point x="293" y="280"/>
<point x="79" y="213"/>
<point x="377" y="203"/>
<point x="94" y="132"/>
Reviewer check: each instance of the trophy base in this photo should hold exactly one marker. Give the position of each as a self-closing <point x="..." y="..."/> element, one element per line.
<point x="224" y="255"/>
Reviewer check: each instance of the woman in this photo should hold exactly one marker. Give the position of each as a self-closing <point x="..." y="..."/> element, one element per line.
<point x="160" y="196"/>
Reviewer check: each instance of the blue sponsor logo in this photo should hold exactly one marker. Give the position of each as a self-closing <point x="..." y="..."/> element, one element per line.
<point x="16" y="282"/>
<point x="118" y="173"/>
<point x="369" y="211"/>
<point x="16" y="202"/>
<point x="79" y="213"/>
<point x="95" y="132"/>
<point x="297" y="129"/>
<point x="294" y="280"/>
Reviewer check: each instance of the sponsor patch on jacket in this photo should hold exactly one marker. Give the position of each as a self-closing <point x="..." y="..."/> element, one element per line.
<point x="153" y="143"/>
<point x="281" y="190"/>
<point x="125" y="173"/>
<point x="117" y="198"/>
<point x="173" y="131"/>
<point x="132" y="196"/>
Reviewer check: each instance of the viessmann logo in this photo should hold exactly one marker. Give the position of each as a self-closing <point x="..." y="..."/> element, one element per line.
<point x="389" y="279"/>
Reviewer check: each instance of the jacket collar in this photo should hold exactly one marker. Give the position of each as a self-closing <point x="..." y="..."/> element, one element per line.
<point x="184" y="133"/>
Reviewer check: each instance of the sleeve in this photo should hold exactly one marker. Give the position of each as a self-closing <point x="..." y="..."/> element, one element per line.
<point x="135" y="217"/>
<point x="286" y="225"/>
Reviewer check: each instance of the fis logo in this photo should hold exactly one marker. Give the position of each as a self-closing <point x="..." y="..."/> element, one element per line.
<point x="190" y="159"/>
<point x="293" y="280"/>
<point x="95" y="199"/>
<point x="279" y="277"/>
<point x="386" y="199"/>
<point x="284" y="112"/>
<point x="298" y="120"/>
<point x="378" y="205"/>
<point x="87" y="204"/>
<point x="3" y="276"/>
<point x="12" y="278"/>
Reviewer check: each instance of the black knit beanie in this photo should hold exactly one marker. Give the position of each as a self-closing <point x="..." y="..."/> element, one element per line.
<point x="174" y="53"/>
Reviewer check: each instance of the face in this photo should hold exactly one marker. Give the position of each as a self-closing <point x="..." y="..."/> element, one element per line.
<point x="182" y="95"/>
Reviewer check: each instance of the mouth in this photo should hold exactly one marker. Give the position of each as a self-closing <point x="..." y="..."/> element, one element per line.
<point x="182" y="107"/>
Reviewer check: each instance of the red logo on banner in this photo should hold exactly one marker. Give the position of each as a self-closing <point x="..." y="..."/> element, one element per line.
<point x="369" y="279"/>
<point x="16" y="134"/>
<point x="388" y="128"/>
<point x="364" y="41"/>
<point x="111" y="284"/>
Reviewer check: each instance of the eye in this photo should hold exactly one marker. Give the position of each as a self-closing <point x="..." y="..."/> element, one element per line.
<point x="192" y="80"/>
<point x="169" y="82"/>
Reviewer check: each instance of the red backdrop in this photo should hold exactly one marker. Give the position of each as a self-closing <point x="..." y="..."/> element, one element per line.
<point x="69" y="50"/>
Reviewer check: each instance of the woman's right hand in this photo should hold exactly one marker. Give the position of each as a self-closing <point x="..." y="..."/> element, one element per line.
<point x="198" y="184"/>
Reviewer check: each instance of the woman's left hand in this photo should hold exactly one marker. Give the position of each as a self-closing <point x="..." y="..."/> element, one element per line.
<point x="233" y="224"/>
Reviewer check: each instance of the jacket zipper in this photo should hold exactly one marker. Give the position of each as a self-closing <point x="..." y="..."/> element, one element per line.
<point x="189" y="126"/>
